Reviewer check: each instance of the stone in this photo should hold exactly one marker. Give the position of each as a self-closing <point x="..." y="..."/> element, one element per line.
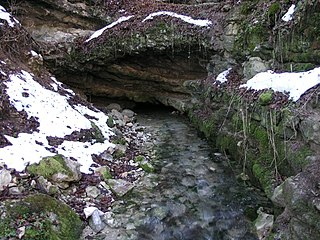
<point x="278" y="197"/>
<point x="254" y="66"/>
<point x="57" y="169"/>
<point x="5" y="178"/>
<point x="114" y="106"/>
<point x="310" y="128"/>
<point x="301" y="195"/>
<point x="47" y="186"/>
<point x="104" y="172"/>
<point x="92" y="191"/>
<point x="263" y="223"/>
<point x="119" y="186"/>
<point x="107" y="155"/>
<point x="16" y="190"/>
<point x="95" y="221"/>
<point x="129" y="113"/>
<point x="21" y="231"/>
<point x="116" y="114"/>
<point x="88" y="211"/>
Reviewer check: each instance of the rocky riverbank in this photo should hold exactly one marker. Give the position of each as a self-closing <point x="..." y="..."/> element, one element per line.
<point x="56" y="182"/>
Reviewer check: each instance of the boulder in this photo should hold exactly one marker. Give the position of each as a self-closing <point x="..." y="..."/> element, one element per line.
<point x="254" y="66"/>
<point x="301" y="196"/>
<point x="57" y="169"/>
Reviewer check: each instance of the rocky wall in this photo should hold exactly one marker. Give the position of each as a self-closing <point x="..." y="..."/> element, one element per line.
<point x="274" y="144"/>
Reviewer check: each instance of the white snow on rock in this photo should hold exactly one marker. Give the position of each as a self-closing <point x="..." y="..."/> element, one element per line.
<point x="289" y="14"/>
<point x="111" y="25"/>
<point x="198" y="22"/>
<point x="57" y="118"/>
<point x="293" y="83"/>
<point x="222" y="77"/>
<point x="4" y="15"/>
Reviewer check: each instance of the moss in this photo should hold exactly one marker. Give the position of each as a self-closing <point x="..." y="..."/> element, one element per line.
<point x="120" y="141"/>
<point x="247" y="7"/>
<point x="274" y="9"/>
<point x="106" y="174"/>
<point x="44" y="218"/>
<point x="265" y="177"/>
<point x="227" y="143"/>
<point x="49" y="166"/>
<point x="110" y="122"/>
<point x="298" y="157"/>
<point x="260" y="135"/>
<point x="97" y="134"/>
<point x="118" y="154"/>
<point x="265" y="98"/>
<point x="139" y="158"/>
<point x="147" y="167"/>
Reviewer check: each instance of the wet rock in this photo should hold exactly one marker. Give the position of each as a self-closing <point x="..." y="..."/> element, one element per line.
<point x="263" y="223"/>
<point x="5" y="178"/>
<point x="119" y="186"/>
<point x="92" y="191"/>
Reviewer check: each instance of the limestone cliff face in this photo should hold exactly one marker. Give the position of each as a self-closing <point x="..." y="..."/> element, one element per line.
<point x="143" y="61"/>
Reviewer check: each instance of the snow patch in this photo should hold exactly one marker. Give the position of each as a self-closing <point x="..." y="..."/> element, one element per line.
<point x="198" y="22"/>
<point x="289" y="14"/>
<point x="57" y="118"/>
<point x="295" y="84"/>
<point x="222" y="77"/>
<point x="100" y="31"/>
<point x="4" y="15"/>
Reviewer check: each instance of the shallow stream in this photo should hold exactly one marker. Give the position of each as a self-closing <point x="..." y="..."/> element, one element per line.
<point x="193" y="194"/>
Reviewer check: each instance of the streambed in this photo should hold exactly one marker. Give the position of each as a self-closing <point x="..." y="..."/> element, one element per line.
<point x="192" y="195"/>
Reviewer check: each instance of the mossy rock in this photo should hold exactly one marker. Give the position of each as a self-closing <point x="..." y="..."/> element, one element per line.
<point x="49" y="166"/>
<point x="43" y="217"/>
<point x="57" y="169"/>
<point x="265" y="177"/>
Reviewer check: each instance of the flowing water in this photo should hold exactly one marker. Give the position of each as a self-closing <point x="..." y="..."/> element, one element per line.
<point x="193" y="195"/>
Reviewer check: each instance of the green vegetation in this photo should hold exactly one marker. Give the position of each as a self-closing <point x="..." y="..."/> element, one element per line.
<point x="43" y="217"/>
<point x="266" y="97"/>
<point x="97" y="134"/>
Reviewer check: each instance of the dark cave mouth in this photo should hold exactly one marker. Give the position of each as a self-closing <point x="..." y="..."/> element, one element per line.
<point x="137" y="107"/>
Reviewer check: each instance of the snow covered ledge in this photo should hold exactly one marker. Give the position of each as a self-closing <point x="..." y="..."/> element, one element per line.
<point x="295" y="84"/>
